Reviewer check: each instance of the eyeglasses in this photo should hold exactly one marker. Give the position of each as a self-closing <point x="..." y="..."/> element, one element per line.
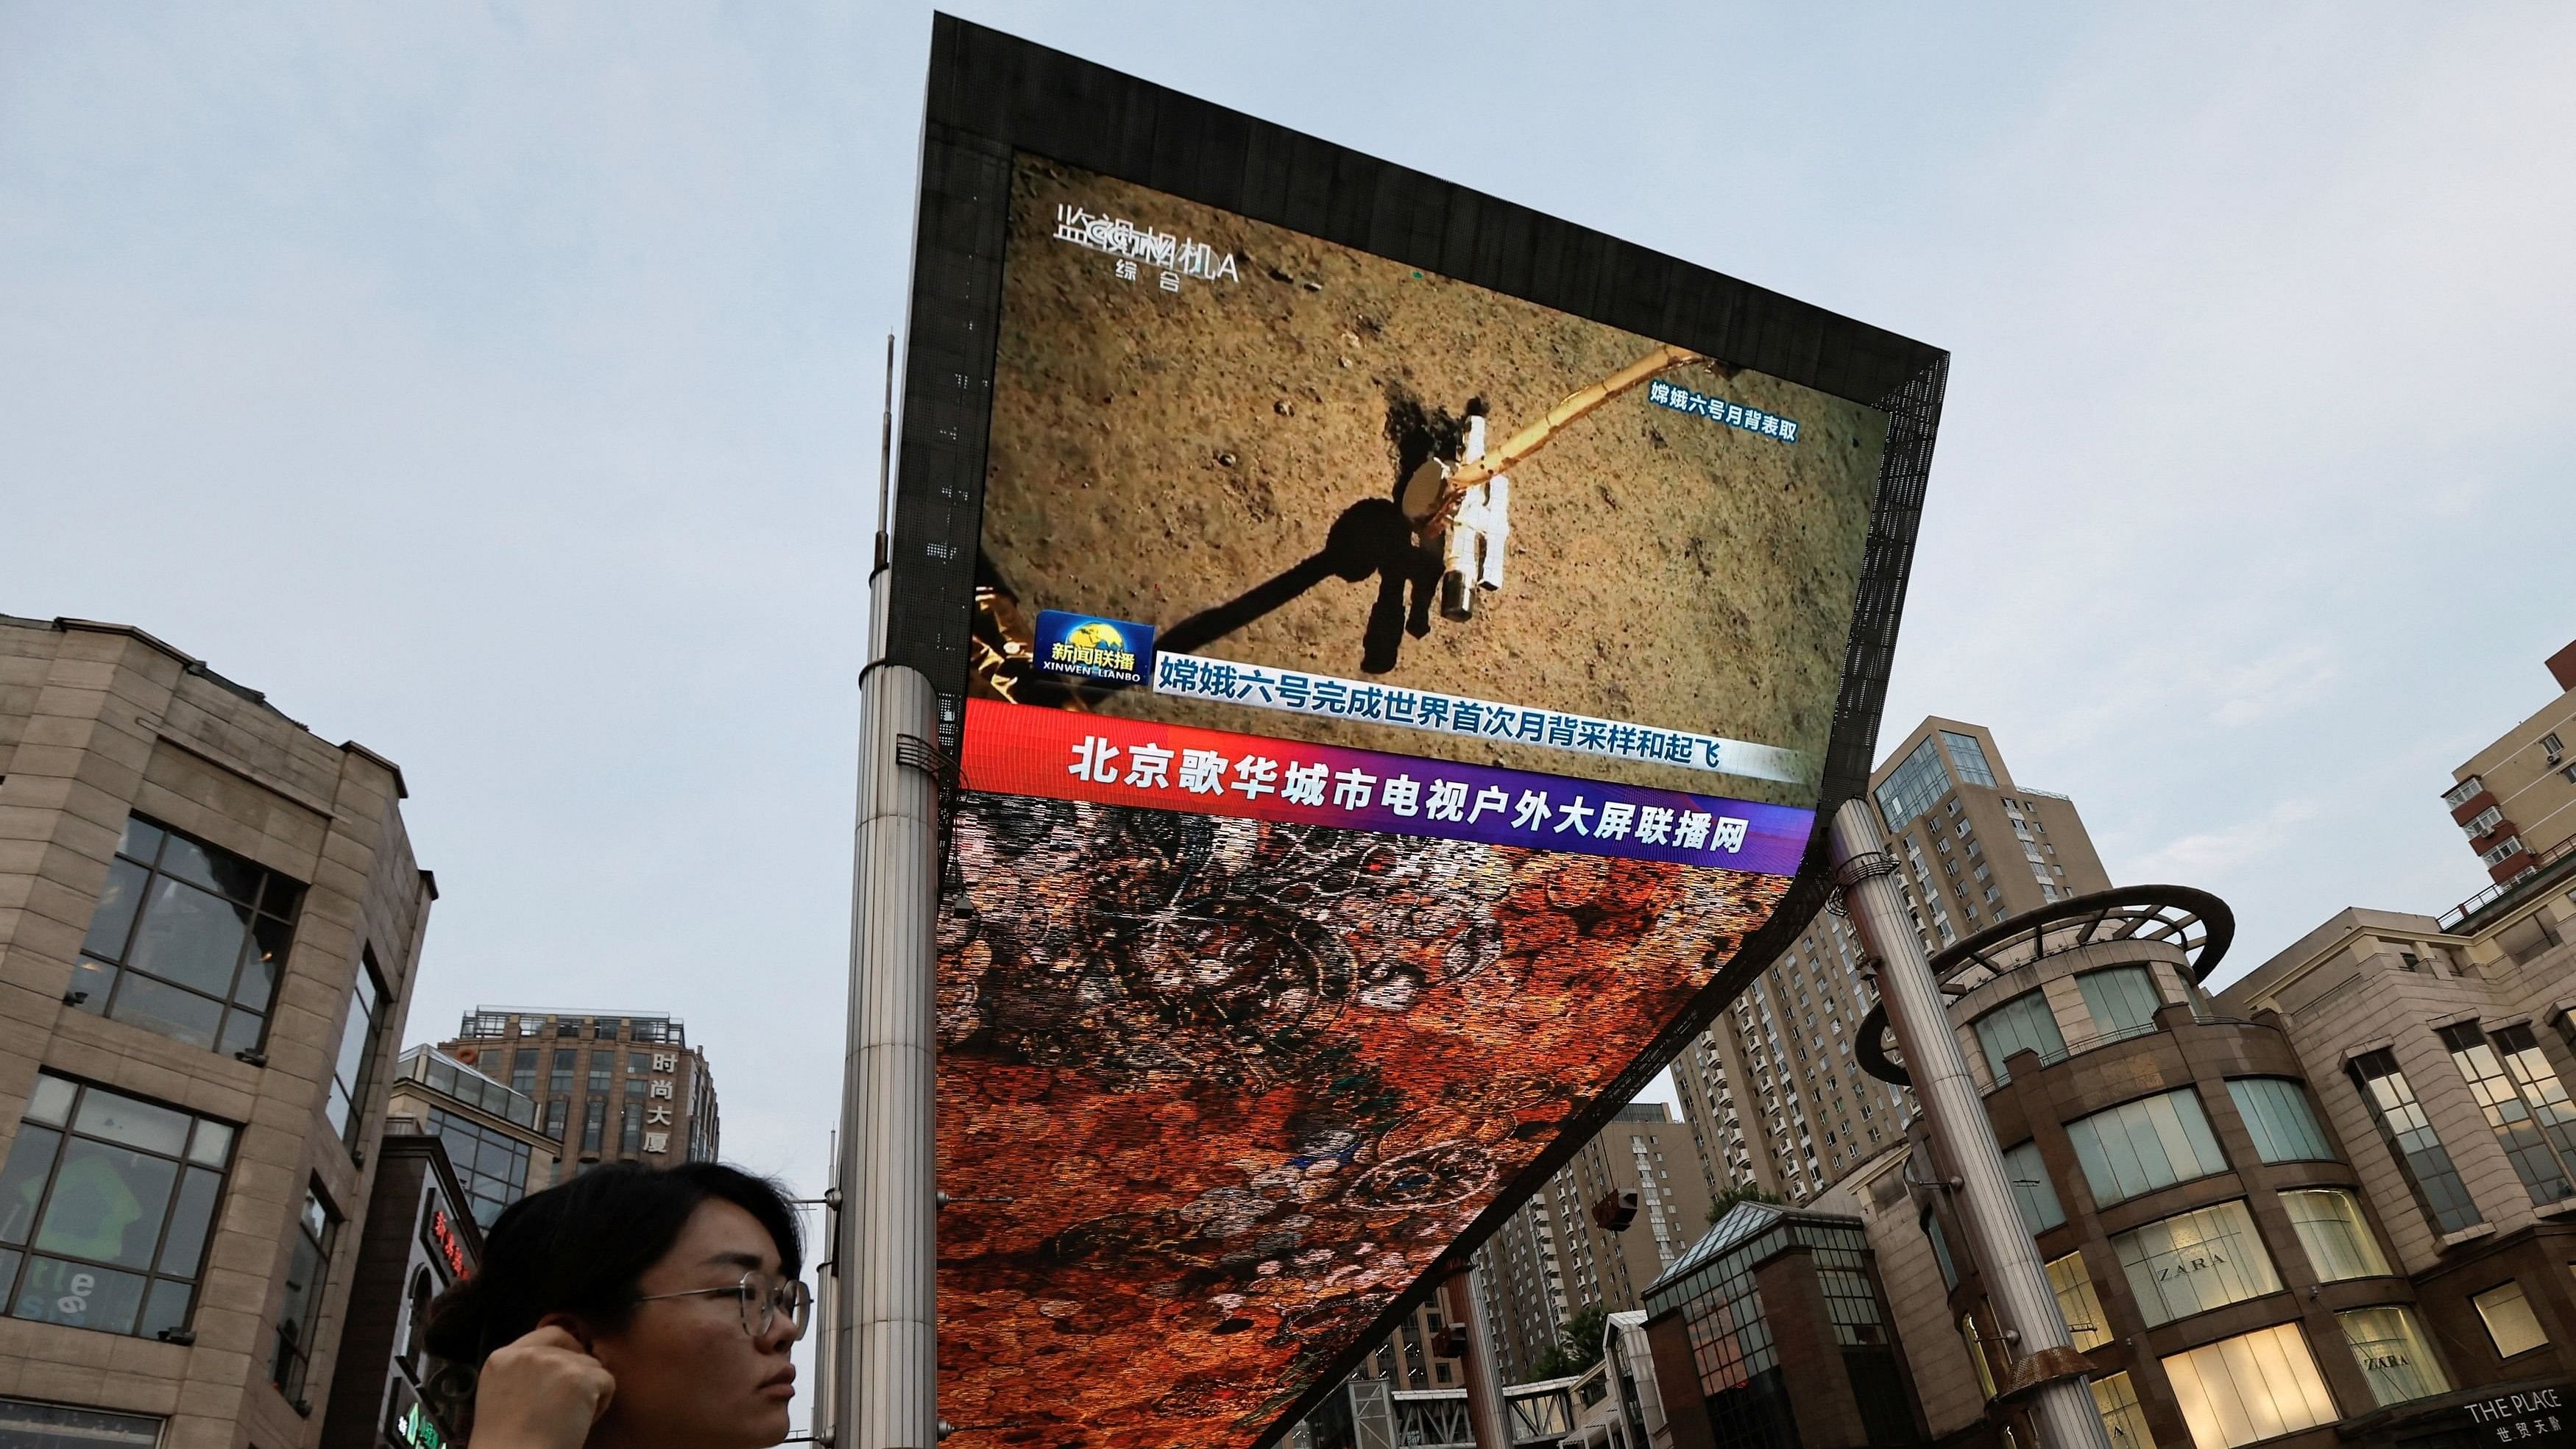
<point x="761" y="1302"/>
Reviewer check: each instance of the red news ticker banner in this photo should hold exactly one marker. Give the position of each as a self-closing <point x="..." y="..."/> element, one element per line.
<point x="1063" y="755"/>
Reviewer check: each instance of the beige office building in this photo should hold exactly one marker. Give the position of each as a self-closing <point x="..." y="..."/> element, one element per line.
<point x="2516" y="799"/>
<point x="1554" y="1258"/>
<point x="1771" y="1090"/>
<point x="209" y="921"/>
<point x="608" y="1086"/>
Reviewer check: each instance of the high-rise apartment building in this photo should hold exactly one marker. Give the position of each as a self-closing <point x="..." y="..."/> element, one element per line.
<point x="608" y="1086"/>
<point x="1771" y="1091"/>
<point x="209" y="920"/>
<point x="1555" y="1257"/>
<point x="2516" y="799"/>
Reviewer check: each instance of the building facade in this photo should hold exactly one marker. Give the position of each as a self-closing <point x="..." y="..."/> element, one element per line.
<point x="1771" y="1091"/>
<point x="209" y="924"/>
<point x="608" y="1086"/>
<point x="419" y="1237"/>
<point x="490" y="1132"/>
<point x="1555" y="1257"/>
<point x="2516" y="799"/>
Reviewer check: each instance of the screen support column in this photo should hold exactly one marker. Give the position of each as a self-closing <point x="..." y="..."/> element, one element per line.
<point x="2047" y="1372"/>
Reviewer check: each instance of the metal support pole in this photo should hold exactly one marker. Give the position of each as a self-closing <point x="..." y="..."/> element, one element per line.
<point x="1464" y="1294"/>
<point x="886" y="1368"/>
<point x="2047" y="1372"/>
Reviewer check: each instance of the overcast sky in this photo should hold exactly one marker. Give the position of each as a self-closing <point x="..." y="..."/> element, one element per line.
<point x="498" y="388"/>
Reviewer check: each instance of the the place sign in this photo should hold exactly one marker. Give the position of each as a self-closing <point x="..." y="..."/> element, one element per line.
<point x="2537" y="1417"/>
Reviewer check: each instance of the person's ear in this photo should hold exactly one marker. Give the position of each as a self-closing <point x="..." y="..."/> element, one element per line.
<point x="571" y="1323"/>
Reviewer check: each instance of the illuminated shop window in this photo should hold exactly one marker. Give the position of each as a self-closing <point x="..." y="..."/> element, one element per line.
<point x="2509" y="1319"/>
<point x="2410" y="1134"/>
<point x="2144" y="1145"/>
<point x="2122" y="1419"/>
<point x="2256" y="1386"/>
<point x="2395" y="1358"/>
<point x="2336" y="1236"/>
<point x="2078" y="1302"/>
<point x="2277" y="1115"/>
<point x="105" y="1206"/>
<point x="187" y="940"/>
<point x="2195" y="1261"/>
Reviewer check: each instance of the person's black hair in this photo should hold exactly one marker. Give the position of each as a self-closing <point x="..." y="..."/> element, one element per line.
<point x="581" y="1246"/>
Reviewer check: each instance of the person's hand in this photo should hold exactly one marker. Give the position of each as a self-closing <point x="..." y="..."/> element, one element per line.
<point x="541" y="1392"/>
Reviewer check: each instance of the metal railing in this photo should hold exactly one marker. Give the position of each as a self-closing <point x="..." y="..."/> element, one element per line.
<point x="2495" y="895"/>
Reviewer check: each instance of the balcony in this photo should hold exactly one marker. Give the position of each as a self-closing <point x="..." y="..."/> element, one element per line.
<point x="2546" y="868"/>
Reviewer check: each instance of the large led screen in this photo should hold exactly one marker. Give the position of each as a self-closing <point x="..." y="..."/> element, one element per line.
<point x="1392" y="701"/>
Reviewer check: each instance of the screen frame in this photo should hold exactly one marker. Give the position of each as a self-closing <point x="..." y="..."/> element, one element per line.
<point x="992" y="95"/>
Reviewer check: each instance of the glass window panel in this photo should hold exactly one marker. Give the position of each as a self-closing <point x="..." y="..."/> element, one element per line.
<point x="263" y="963"/>
<point x="2258" y="1386"/>
<point x="2510" y="1321"/>
<point x="2122" y="1000"/>
<point x="2277" y="1115"/>
<point x="142" y="839"/>
<point x="2389" y="1345"/>
<point x="1913" y="786"/>
<point x="213" y="867"/>
<point x="212" y="1144"/>
<point x="2508" y="1116"/>
<point x="2078" y="1302"/>
<point x="2334" y="1233"/>
<point x="2117" y="1399"/>
<point x="93" y="981"/>
<point x="122" y="1119"/>
<point x="2540" y="1085"/>
<point x="25" y="1425"/>
<point x="22" y="1182"/>
<point x="2410" y="1133"/>
<point x="283" y="897"/>
<point x="2023" y="1023"/>
<point x="156" y="1006"/>
<point x="2033" y="1193"/>
<point x="80" y="1295"/>
<point x="2143" y="1145"/>
<point x="2195" y="1261"/>
<point x="241" y="1031"/>
<point x="189" y="937"/>
<point x="190" y="1218"/>
<point x="165" y="1308"/>
<point x="1970" y="757"/>
<point x="113" y="921"/>
<point x="107" y="1205"/>
<point x="51" y="1102"/>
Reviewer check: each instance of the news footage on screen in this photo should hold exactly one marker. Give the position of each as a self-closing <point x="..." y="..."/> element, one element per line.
<point x="1392" y="702"/>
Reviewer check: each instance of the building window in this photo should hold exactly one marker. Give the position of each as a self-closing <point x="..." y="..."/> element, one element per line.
<point x="2500" y="852"/>
<point x="2484" y="821"/>
<point x="308" y="1263"/>
<point x="2144" y="1145"/>
<point x="555" y="1118"/>
<point x="2123" y="1000"/>
<point x="630" y="1129"/>
<point x="2410" y="1135"/>
<point x="2033" y="1193"/>
<point x="2335" y="1235"/>
<point x="1913" y="786"/>
<point x="492" y="1166"/>
<point x="2277" y="1116"/>
<point x="188" y="940"/>
<point x="2258" y="1386"/>
<point x="559" y="1077"/>
<point x="2122" y="1419"/>
<point x="2077" y="1301"/>
<point x="600" y="1063"/>
<point x="25" y="1425"/>
<point x="523" y="1071"/>
<point x="1970" y="757"/>
<point x="2022" y="1024"/>
<point x="2508" y="1116"/>
<point x="2540" y="1087"/>
<point x="2195" y="1261"/>
<point x="2509" y="1319"/>
<point x="105" y="1206"/>
<point x="594" y="1121"/>
<point x="2390" y="1346"/>
<point x="1940" y="1251"/>
<point x="353" y="1072"/>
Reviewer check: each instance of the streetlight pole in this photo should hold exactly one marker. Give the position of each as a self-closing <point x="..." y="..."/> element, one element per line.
<point x="885" y="1353"/>
<point x="2046" y="1369"/>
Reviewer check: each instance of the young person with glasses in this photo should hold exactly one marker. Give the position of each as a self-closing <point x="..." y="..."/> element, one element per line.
<point x="629" y="1308"/>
